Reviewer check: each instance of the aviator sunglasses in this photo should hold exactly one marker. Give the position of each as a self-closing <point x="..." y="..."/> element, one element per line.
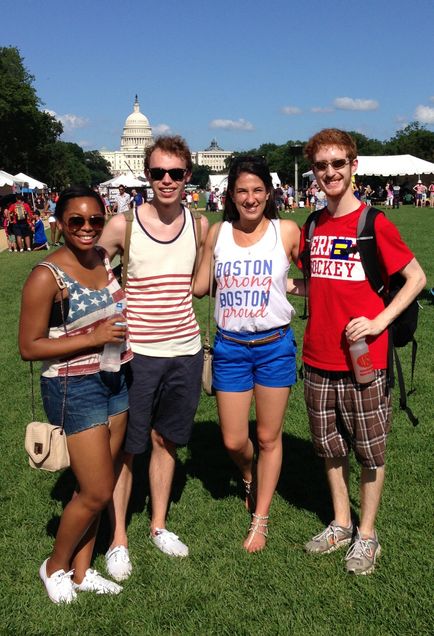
<point x="176" y="174"/>
<point x="336" y="164"/>
<point x="75" y="223"/>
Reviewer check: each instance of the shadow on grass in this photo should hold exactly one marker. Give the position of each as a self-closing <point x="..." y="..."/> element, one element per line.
<point x="302" y="481"/>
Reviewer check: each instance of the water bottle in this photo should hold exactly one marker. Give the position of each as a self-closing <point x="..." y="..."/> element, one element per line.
<point x="362" y="363"/>
<point x="111" y="355"/>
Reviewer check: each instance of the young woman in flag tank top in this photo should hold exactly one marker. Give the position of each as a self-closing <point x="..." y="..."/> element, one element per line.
<point x="96" y="401"/>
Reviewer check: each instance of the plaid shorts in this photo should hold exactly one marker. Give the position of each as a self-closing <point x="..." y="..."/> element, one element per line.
<point x="344" y="415"/>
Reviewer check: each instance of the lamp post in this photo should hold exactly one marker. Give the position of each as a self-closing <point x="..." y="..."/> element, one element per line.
<point x="296" y="151"/>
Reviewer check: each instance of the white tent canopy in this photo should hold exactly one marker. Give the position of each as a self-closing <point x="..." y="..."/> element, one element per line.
<point x="220" y="181"/>
<point x="8" y="179"/>
<point x="34" y="184"/>
<point x="127" y="180"/>
<point x="390" y="166"/>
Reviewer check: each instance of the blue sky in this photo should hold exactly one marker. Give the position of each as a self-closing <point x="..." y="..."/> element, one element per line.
<point x="244" y="71"/>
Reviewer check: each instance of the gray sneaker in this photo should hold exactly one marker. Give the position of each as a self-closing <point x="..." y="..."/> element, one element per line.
<point x="362" y="555"/>
<point x="330" y="539"/>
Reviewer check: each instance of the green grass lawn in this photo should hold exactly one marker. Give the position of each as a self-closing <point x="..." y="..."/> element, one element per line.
<point x="220" y="589"/>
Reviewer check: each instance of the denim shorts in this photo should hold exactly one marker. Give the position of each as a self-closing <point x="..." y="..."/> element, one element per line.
<point x="238" y="367"/>
<point x="90" y="399"/>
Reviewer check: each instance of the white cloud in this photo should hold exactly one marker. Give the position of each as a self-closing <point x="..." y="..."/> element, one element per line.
<point x="291" y="110"/>
<point x="349" y="103"/>
<point x="231" y="124"/>
<point x="69" y="121"/>
<point x="424" y="114"/>
<point x="161" y="129"/>
<point x="322" y="109"/>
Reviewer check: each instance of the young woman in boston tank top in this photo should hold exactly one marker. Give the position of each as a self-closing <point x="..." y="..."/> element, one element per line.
<point x="254" y="348"/>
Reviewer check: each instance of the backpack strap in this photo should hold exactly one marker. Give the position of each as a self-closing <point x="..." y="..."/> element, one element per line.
<point x="129" y="217"/>
<point x="309" y="229"/>
<point x="367" y="247"/>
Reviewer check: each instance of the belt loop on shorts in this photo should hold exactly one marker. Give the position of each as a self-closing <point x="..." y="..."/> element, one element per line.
<point x="277" y="335"/>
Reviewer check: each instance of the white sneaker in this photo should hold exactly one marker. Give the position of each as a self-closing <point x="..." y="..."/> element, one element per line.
<point x="169" y="543"/>
<point x="59" y="585"/>
<point x="118" y="564"/>
<point x="94" y="582"/>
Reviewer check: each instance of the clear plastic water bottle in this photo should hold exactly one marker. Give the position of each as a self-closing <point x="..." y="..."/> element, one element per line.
<point x="111" y="355"/>
<point x="362" y="363"/>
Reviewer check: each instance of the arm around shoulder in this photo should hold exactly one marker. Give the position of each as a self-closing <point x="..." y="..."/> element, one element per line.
<point x="113" y="236"/>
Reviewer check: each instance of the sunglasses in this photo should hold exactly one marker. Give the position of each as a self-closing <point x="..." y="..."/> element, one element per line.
<point x="176" y="174"/>
<point x="77" y="222"/>
<point x="336" y="164"/>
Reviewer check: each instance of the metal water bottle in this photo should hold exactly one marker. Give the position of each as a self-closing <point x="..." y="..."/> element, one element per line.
<point x="111" y="355"/>
<point x="362" y="363"/>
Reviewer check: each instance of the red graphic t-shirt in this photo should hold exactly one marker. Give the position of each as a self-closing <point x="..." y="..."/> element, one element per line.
<point x="340" y="291"/>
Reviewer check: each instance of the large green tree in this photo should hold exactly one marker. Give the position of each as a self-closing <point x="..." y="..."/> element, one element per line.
<point x="66" y="165"/>
<point x="414" y="140"/>
<point x="98" y="167"/>
<point x="25" y="129"/>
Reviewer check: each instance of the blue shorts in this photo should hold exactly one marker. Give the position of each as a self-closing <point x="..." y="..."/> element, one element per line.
<point x="90" y="399"/>
<point x="238" y="367"/>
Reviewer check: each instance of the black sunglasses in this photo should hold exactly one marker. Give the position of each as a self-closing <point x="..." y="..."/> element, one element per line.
<point x="176" y="174"/>
<point x="336" y="164"/>
<point x="77" y="222"/>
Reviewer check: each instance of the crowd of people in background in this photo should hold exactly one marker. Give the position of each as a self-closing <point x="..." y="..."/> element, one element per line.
<point x="24" y="219"/>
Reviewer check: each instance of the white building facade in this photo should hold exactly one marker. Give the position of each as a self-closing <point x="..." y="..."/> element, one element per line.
<point x="214" y="157"/>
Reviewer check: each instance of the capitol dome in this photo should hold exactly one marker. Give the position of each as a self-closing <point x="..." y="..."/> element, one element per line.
<point x="137" y="133"/>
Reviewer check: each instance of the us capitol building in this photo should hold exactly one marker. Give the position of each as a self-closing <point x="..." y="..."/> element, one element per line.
<point x="137" y="136"/>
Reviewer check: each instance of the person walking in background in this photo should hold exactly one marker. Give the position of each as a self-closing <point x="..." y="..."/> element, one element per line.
<point x="431" y="194"/>
<point x="95" y="402"/>
<point x="165" y="373"/>
<point x="122" y="201"/>
<point x="389" y="194"/>
<point x="396" y="190"/>
<point x="20" y="218"/>
<point x="50" y="211"/>
<point x="254" y="348"/>
<point x="420" y="190"/>
<point x="343" y="308"/>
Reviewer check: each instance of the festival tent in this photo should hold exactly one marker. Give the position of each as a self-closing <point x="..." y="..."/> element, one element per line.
<point x="34" y="184"/>
<point x="390" y="166"/>
<point x="7" y="179"/>
<point x="127" y="180"/>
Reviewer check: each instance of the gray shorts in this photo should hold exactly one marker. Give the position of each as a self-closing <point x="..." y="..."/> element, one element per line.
<point x="345" y="415"/>
<point x="163" y="395"/>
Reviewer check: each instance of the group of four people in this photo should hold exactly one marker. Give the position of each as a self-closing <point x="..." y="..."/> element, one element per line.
<point x="254" y="351"/>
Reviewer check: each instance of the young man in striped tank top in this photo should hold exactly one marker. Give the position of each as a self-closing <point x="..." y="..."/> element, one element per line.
<point x="166" y="370"/>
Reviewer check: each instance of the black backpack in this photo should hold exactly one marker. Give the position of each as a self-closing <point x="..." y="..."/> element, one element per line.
<point x="401" y="331"/>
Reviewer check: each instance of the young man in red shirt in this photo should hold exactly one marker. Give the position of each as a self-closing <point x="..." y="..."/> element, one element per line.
<point x="343" y="309"/>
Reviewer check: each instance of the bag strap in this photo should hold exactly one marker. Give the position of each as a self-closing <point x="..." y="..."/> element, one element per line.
<point x="309" y="229"/>
<point x="207" y="342"/>
<point x="62" y="285"/>
<point x="367" y="247"/>
<point x="129" y="217"/>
